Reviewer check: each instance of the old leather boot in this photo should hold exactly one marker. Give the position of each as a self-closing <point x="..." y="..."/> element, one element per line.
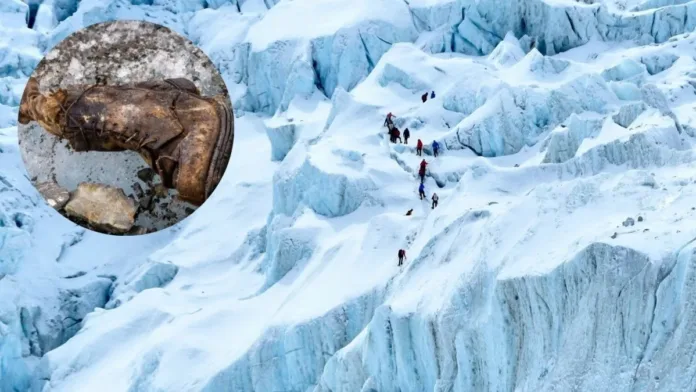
<point x="185" y="137"/>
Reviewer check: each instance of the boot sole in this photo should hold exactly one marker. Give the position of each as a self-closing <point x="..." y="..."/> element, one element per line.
<point x="221" y="157"/>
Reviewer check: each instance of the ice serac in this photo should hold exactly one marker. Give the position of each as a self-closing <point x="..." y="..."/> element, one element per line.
<point x="508" y="52"/>
<point x="282" y="139"/>
<point x="516" y="117"/>
<point x="331" y="190"/>
<point x="14" y="242"/>
<point x="531" y="323"/>
<point x="45" y="332"/>
<point x="304" y="55"/>
<point x="152" y="274"/>
<point x="293" y="357"/>
<point x="564" y="141"/>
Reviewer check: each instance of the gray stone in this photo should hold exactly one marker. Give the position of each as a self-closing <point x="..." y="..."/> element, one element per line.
<point x="103" y="207"/>
<point x="54" y="195"/>
<point x="145" y="202"/>
<point x="146" y="174"/>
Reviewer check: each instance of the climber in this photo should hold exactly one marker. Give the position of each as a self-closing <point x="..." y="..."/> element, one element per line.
<point x="435" y="198"/>
<point x="407" y="134"/>
<point x="436" y="147"/>
<point x="421" y="191"/>
<point x="391" y="135"/>
<point x="409" y="212"/>
<point x="432" y="95"/>
<point x="419" y="148"/>
<point x="421" y="173"/>
<point x="388" y="122"/>
<point x="424" y="97"/>
<point x="397" y="135"/>
<point x="402" y="256"/>
<point x="423" y="164"/>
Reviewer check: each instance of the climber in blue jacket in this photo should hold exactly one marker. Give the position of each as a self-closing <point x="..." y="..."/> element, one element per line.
<point x="421" y="191"/>
<point x="436" y="147"/>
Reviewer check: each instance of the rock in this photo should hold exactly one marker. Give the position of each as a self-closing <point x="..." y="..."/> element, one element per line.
<point x="55" y="196"/>
<point x="613" y="236"/>
<point x="138" y="190"/>
<point x="146" y="175"/>
<point x="104" y="207"/>
<point x="137" y="230"/>
<point x="640" y="219"/>
<point x="189" y="210"/>
<point x="145" y="202"/>
<point x="629" y="222"/>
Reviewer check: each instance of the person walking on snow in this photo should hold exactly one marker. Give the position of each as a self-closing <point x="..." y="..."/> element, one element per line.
<point x="419" y="148"/>
<point x="407" y="134"/>
<point x="421" y="191"/>
<point x="392" y="135"/>
<point x="402" y="256"/>
<point x="421" y="173"/>
<point x="423" y="163"/>
<point x="424" y="97"/>
<point x="432" y="95"/>
<point x="435" y="198"/>
<point x="436" y="147"/>
<point x="388" y="121"/>
<point x="397" y="135"/>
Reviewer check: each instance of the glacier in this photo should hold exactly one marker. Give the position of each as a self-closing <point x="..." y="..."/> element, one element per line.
<point x="559" y="120"/>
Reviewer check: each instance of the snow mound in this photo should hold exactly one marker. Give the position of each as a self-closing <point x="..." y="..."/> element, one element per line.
<point x="152" y="274"/>
<point x="322" y="183"/>
<point x="541" y="65"/>
<point x="507" y="53"/>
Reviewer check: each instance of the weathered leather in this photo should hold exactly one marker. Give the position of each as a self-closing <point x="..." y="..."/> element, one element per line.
<point x="185" y="137"/>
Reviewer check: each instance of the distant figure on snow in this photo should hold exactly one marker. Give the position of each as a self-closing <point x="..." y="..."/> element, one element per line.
<point x="432" y="95"/>
<point x="388" y="122"/>
<point x="409" y="212"/>
<point x="435" y="198"/>
<point x="421" y="191"/>
<point x="421" y="173"/>
<point x="419" y="148"/>
<point x="397" y="135"/>
<point x="407" y="134"/>
<point x="392" y="138"/>
<point x="402" y="256"/>
<point x="424" y="97"/>
<point x="436" y="148"/>
<point x="423" y="164"/>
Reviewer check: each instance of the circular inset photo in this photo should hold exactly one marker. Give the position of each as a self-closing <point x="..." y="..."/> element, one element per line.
<point x="126" y="127"/>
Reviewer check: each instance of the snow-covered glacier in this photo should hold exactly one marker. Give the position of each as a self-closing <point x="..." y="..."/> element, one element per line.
<point x="561" y="256"/>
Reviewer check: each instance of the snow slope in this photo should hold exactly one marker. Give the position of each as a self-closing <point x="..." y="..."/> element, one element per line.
<point x="558" y="119"/>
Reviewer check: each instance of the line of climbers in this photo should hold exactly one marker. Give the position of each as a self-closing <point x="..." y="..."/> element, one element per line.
<point x="395" y="135"/>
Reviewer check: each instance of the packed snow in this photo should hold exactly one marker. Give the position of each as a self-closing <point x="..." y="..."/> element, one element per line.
<point x="561" y="255"/>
